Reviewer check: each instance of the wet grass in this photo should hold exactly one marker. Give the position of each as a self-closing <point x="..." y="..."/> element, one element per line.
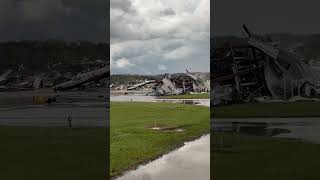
<point x="134" y="143"/>
<point x="247" y="157"/>
<point x="268" y="110"/>
<point x="188" y="96"/>
<point x="53" y="153"/>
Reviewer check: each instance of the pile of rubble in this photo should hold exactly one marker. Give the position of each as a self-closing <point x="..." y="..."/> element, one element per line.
<point x="59" y="76"/>
<point x="256" y="69"/>
<point x="170" y="84"/>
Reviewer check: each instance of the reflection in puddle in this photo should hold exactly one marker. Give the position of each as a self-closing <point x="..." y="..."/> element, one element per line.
<point x="307" y="129"/>
<point x="165" y="128"/>
<point x="141" y="98"/>
<point x="201" y="102"/>
<point x="258" y="129"/>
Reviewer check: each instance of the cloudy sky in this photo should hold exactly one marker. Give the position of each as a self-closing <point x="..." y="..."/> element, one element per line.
<point x="159" y="36"/>
<point x="69" y="20"/>
<point x="265" y="16"/>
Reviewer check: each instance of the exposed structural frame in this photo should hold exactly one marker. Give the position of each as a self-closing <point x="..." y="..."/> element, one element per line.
<point x="253" y="68"/>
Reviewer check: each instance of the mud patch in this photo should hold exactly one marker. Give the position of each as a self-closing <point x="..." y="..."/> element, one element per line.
<point x="165" y="128"/>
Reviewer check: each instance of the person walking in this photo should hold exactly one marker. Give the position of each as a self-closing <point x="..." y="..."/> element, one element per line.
<point x="69" y="122"/>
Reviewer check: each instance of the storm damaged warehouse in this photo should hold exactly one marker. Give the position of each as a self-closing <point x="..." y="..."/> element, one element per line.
<point x="180" y="83"/>
<point x="256" y="69"/>
<point x="167" y="84"/>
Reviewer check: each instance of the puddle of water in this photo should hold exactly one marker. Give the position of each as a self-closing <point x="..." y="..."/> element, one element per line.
<point x="156" y="128"/>
<point x="141" y="98"/>
<point x="167" y="129"/>
<point x="259" y="129"/>
<point x="307" y="129"/>
<point x="132" y="98"/>
<point x="190" y="162"/>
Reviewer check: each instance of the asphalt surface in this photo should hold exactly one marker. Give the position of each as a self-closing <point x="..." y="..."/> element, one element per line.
<point x="86" y="109"/>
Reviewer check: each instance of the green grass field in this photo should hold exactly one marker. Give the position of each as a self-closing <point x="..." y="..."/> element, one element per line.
<point x="188" y="96"/>
<point x="267" y="110"/>
<point x="133" y="142"/>
<point x="245" y="157"/>
<point x="51" y="153"/>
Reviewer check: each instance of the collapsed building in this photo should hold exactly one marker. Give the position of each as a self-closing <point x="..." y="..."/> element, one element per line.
<point x="175" y="84"/>
<point x="60" y="77"/>
<point x="4" y="76"/>
<point x="256" y="69"/>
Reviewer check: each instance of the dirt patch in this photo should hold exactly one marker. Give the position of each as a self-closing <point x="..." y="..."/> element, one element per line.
<point x="165" y="128"/>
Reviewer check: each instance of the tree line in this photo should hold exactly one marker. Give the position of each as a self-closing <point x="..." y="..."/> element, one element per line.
<point x="36" y="55"/>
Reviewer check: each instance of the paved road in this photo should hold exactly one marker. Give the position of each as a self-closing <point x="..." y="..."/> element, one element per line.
<point x="87" y="108"/>
<point x="190" y="162"/>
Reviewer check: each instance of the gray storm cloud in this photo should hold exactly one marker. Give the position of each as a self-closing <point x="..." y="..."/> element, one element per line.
<point x="123" y="5"/>
<point x="294" y="16"/>
<point x="156" y="36"/>
<point x="60" y="19"/>
<point x="167" y="12"/>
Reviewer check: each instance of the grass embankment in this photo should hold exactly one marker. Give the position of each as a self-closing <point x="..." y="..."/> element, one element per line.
<point x="267" y="110"/>
<point x="247" y="157"/>
<point x="188" y="96"/>
<point x="53" y="153"/>
<point x="133" y="142"/>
